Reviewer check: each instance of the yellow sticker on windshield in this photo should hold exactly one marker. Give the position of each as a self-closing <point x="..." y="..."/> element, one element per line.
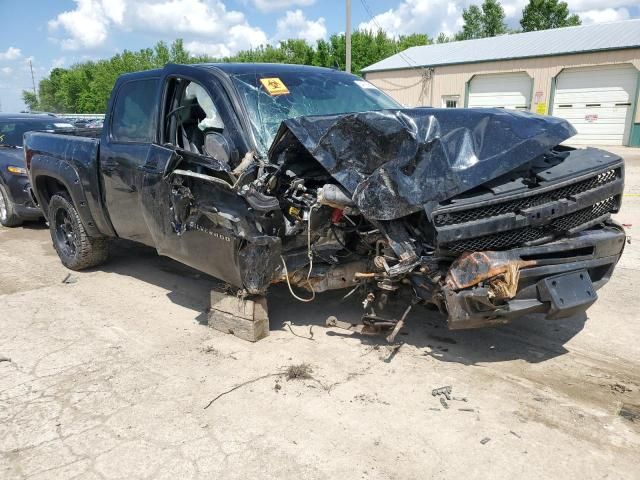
<point x="274" y="86"/>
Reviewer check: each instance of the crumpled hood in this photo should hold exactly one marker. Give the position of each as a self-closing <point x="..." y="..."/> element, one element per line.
<point x="396" y="162"/>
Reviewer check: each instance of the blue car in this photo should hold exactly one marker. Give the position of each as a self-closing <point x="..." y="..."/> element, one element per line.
<point x="16" y="204"/>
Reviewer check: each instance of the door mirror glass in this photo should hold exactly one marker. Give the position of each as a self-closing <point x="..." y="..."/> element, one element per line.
<point x="217" y="147"/>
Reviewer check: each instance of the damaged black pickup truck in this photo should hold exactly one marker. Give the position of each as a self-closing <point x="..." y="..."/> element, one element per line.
<point x="257" y="174"/>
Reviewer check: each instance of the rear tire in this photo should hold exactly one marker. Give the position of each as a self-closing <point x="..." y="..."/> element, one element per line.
<point x="8" y="215"/>
<point x="76" y="249"/>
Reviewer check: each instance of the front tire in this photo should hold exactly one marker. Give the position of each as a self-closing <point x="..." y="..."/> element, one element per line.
<point x="8" y="215"/>
<point x="76" y="249"/>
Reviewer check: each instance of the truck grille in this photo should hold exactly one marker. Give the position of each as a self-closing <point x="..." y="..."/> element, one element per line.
<point x="536" y="234"/>
<point x="509" y="206"/>
<point x="530" y="216"/>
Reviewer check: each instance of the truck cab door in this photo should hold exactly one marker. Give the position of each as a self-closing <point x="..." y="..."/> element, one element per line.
<point x="191" y="215"/>
<point x="188" y="201"/>
<point x="125" y="147"/>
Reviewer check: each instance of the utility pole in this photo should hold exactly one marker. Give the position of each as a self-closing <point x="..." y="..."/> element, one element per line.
<point x="33" y="80"/>
<point x="348" y="38"/>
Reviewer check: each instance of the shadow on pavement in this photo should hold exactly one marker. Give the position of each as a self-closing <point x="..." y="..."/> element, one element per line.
<point x="187" y="287"/>
<point x="531" y="338"/>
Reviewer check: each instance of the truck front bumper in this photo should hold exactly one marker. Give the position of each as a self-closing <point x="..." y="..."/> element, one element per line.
<point x="558" y="279"/>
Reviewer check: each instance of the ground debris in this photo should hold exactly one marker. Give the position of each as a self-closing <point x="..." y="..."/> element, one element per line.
<point x="70" y="278"/>
<point x="630" y="412"/>
<point x="485" y="440"/>
<point x="299" y="372"/>
<point x="446" y="391"/>
<point x="310" y="337"/>
<point x="248" y="382"/>
<point x="619" y="388"/>
<point x="4" y="359"/>
<point x="211" y="350"/>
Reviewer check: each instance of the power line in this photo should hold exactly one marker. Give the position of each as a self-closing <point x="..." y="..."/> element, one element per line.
<point x="373" y="19"/>
<point x="425" y="73"/>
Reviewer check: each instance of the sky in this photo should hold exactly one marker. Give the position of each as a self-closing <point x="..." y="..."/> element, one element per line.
<point x="59" y="33"/>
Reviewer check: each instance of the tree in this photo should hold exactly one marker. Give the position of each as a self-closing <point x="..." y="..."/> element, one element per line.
<point x="545" y="14"/>
<point x="86" y="87"/>
<point x="493" y="18"/>
<point x="413" y="40"/>
<point x="485" y="21"/>
<point x="473" y="22"/>
<point x="30" y="99"/>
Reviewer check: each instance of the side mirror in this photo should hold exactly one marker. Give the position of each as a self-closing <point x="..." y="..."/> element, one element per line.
<point x="217" y="147"/>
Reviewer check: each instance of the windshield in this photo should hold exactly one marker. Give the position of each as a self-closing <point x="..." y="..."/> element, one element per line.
<point x="272" y="98"/>
<point x="11" y="131"/>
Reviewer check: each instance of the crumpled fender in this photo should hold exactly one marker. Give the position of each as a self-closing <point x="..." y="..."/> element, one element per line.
<point x="397" y="162"/>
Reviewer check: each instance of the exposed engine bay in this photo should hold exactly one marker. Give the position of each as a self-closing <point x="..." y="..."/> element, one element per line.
<point x="481" y="214"/>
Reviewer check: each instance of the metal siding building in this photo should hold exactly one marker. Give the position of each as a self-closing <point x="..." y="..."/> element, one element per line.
<point x="587" y="74"/>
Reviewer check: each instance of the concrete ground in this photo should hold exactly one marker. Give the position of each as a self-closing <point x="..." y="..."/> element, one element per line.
<point x="109" y="375"/>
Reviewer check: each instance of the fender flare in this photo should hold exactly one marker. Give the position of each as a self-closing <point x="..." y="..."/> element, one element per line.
<point x="43" y="167"/>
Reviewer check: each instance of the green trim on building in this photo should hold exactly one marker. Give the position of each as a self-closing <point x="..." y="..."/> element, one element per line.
<point x="552" y="93"/>
<point x="466" y="91"/>
<point x="634" y="134"/>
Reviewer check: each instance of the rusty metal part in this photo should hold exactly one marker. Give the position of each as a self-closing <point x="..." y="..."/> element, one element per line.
<point x="364" y="275"/>
<point x="505" y="285"/>
<point x="335" y="277"/>
<point x="364" y="329"/>
<point x="381" y="263"/>
<point x="474" y="267"/>
<point x="392" y="336"/>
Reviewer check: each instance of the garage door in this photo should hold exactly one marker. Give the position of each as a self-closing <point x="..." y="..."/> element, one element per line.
<point x="508" y="90"/>
<point x="598" y="102"/>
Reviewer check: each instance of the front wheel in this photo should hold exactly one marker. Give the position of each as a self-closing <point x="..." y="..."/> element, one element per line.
<point x="76" y="249"/>
<point x="8" y="215"/>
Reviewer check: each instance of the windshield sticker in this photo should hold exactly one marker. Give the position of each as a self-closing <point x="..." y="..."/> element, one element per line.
<point x="274" y="86"/>
<point x="363" y="84"/>
<point x="1" y="137"/>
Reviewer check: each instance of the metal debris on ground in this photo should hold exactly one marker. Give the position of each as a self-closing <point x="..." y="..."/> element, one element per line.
<point x="467" y="409"/>
<point x="70" y="279"/>
<point x="485" y="440"/>
<point x="630" y="412"/>
<point x="446" y="391"/>
<point x="4" y="359"/>
<point x="444" y="402"/>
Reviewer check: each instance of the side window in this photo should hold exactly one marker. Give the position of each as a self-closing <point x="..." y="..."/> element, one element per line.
<point x="133" y="118"/>
<point x="194" y="114"/>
